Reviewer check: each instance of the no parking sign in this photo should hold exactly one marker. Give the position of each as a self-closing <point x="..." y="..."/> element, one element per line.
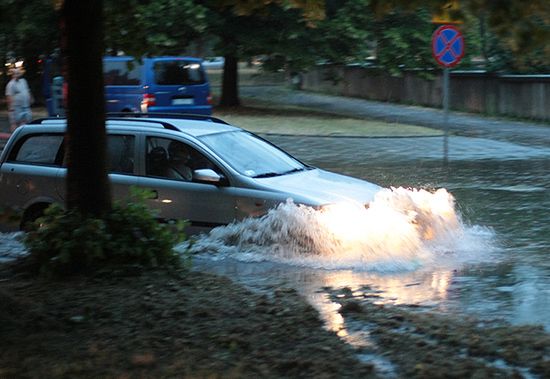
<point x="448" y="45"/>
<point x="448" y="50"/>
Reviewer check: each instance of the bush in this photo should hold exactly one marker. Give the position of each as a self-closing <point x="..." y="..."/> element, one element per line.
<point x="65" y="242"/>
<point x="10" y="215"/>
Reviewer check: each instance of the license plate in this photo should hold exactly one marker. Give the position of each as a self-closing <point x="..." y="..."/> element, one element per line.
<point x="182" y="101"/>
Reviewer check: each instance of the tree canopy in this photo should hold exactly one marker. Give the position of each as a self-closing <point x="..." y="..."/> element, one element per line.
<point x="507" y="35"/>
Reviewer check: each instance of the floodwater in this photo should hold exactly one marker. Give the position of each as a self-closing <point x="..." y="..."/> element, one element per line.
<point x="466" y="237"/>
<point x="480" y="250"/>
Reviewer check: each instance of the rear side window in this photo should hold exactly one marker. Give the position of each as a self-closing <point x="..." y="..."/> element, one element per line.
<point x="178" y="72"/>
<point x="39" y="149"/>
<point x="122" y="73"/>
<point x="120" y="151"/>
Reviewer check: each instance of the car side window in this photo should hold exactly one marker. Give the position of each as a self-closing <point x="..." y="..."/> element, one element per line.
<point x="40" y="149"/>
<point x="120" y="153"/>
<point x="122" y="73"/>
<point x="172" y="159"/>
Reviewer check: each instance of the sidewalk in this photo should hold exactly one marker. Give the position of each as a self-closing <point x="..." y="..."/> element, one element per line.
<point x="469" y="125"/>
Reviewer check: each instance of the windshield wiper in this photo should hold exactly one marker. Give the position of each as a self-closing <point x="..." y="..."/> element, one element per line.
<point x="272" y="174"/>
<point x="266" y="175"/>
<point x="294" y="170"/>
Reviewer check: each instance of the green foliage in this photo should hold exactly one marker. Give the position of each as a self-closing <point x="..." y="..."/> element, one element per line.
<point x="522" y="29"/>
<point x="10" y="215"/>
<point x="344" y="35"/>
<point x="65" y="242"/>
<point x="28" y="29"/>
<point x="404" y="41"/>
<point x="152" y="27"/>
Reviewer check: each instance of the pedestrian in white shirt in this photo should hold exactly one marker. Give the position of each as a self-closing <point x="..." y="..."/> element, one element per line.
<point x="19" y="100"/>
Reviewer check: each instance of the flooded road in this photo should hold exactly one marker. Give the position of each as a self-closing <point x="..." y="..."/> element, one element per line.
<point x="484" y="254"/>
<point x="496" y="268"/>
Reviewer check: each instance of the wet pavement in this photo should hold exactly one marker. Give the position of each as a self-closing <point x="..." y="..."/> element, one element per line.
<point x="470" y="137"/>
<point x="397" y="149"/>
<point x="470" y="125"/>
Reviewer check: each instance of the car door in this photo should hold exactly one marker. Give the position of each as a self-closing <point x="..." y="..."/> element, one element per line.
<point x="179" y="84"/>
<point x="121" y="167"/>
<point x="30" y="173"/>
<point x="121" y="163"/>
<point x="205" y="205"/>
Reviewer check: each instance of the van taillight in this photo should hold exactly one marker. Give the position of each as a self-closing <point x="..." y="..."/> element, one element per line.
<point x="209" y="99"/>
<point x="149" y="100"/>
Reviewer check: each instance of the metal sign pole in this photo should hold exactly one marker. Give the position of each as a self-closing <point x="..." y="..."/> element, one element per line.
<point x="446" y="95"/>
<point x="448" y="50"/>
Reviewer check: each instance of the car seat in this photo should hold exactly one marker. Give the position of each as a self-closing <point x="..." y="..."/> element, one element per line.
<point x="157" y="162"/>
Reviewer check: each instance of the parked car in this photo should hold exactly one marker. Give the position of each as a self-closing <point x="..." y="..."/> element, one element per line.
<point x="155" y="84"/>
<point x="234" y="173"/>
<point x="213" y="62"/>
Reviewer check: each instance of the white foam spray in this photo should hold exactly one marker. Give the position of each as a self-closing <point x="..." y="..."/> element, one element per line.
<point x="402" y="229"/>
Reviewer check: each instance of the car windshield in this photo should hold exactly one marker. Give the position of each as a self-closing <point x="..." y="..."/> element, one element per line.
<point x="250" y="155"/>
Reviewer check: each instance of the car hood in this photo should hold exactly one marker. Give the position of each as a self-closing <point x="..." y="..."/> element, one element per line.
<point x="318" y="187"/>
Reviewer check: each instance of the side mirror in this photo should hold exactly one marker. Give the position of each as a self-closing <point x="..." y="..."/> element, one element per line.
<point x="207" y="175"/>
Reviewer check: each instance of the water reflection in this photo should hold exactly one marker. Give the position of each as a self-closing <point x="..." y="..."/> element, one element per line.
<point x="501" y="186"/>
<point x="419" y="288"/>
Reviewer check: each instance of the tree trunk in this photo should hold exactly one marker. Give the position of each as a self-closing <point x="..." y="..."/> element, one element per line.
<point x="230" y="82"/>
<point x="483" y="38"/>
<point x="87" y="182"/>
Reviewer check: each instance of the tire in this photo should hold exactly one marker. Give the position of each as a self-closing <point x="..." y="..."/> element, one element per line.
<point x="30" y="215"/>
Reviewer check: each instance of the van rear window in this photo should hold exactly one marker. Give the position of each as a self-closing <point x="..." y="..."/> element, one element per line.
<point x="122" y="73"/>
<point x="178" y="73"/>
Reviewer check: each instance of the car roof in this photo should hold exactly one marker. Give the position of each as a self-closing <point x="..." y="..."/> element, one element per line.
<point x="156" y="58"/>
<point x="193" y="125"/>
<point x="195" y="128"/>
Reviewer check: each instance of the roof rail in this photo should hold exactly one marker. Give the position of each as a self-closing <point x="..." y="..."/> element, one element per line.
<point x="179" y="116"/>
<point x="120" y="116"/>
<point x="41" y="120"/>
<point x="165" y="125"/>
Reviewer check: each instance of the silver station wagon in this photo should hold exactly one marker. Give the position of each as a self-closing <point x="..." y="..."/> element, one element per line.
<point x="199" y="168"/>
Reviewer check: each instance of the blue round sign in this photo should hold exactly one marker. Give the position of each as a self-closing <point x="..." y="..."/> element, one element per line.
<point x="447" y="45"/>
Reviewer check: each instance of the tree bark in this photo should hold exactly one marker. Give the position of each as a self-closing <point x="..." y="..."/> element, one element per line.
<point x="88" y="189"/>
<point x="230" y="82"/>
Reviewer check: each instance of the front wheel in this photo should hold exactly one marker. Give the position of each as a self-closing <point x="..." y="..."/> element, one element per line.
<point x="31" y="215"/>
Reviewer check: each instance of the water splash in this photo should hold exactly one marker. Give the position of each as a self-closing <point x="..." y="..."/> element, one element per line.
<point x="402" y="229"/>
<point x="11" y="246"/>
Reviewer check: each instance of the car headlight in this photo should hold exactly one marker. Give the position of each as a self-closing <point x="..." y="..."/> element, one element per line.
<point x="344" y="219"/>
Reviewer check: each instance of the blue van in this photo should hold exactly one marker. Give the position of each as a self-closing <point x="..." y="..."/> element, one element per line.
<point x="158" y="84"/>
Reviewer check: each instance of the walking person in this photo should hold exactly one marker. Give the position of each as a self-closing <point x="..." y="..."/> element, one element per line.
<point x="19" y="100"/>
